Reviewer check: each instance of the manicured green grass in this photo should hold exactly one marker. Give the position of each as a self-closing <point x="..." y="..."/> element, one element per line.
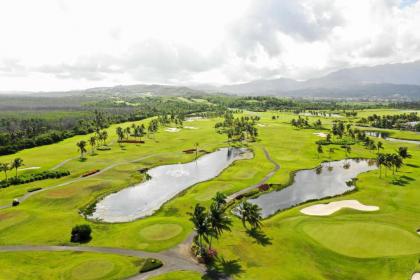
<point x="66" y="265"/>
<point x="329" y="247"/>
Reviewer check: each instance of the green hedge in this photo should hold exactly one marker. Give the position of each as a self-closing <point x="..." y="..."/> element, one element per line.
<point x="27" y="178"/>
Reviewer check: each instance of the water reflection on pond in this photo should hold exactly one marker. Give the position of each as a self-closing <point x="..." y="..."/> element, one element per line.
<point x="329" y="179"/>
<point x="166" y="182"/>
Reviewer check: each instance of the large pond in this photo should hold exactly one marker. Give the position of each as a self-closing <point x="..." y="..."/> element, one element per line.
<point x="385" y="136"/>
<point x="327" y="180"/>
<point x="166" y="182"/>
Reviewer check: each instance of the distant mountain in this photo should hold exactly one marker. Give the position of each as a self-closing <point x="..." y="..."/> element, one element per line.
<point x="400" y="80"/>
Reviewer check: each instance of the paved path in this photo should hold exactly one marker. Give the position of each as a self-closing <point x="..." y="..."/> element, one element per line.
<point x="263" y="180"/>
<point x="29" y="194"/>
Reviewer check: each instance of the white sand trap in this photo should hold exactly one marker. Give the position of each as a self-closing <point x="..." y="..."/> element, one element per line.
<point x="416" y="276"/>
<point x="29" y="168"/>
<point x="172" y="129"/>
<point x="332" y="207"/>
<point x="190" y="127"/>
<point x="320" y="134"/>
<point x="261" y="125"/>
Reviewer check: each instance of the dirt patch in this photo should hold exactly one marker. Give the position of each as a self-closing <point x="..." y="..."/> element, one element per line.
<point x="62" y="193"/>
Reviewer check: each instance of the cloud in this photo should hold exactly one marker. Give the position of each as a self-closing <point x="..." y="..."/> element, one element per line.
<point x="60" y="42"/>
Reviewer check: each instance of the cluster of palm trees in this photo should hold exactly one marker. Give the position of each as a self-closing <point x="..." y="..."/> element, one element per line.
<point x="238" y="129"/>
<point x="137" y="131"/>
<point x="15" y="164"/>
<point x="99" y="138"/>
<point x="210" y="224"/>
<point x="392" y="161"/>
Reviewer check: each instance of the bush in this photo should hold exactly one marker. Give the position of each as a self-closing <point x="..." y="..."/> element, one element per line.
<point x="27" y="178"/>
<point x="90" y="172"/>
<point x="81" y="234"/>
<point x="103" y="148"/>
<point x="151" y="264"/>
<point x="15" y="202"/>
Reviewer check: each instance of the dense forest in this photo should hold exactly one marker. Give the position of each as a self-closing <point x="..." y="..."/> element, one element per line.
<point x="409" y="121"/>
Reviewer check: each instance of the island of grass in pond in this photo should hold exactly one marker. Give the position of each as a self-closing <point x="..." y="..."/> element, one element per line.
<point x="327" y="180"/>
<point x="166" y="182"/>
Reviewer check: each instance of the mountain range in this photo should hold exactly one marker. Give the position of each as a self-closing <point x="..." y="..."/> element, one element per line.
<point x="399" y="81"/>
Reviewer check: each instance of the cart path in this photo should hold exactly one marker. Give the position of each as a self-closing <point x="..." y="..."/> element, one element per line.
<point x="262" y="181"/>
<point x="173" y="259"/>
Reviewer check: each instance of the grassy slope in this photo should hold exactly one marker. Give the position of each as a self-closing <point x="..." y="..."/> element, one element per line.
<point x="295" y="238"/>
<point x="66" y="265"/>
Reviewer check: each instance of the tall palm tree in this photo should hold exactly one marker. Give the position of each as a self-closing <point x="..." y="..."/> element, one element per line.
<point x="319" y="149"/>
<point x="218" y="221"/>
<point x="397" y="162"/>
<point x="379" y="146"/>
<point x="220" y="199"/>
<point x="380" y="160"/>
<point x="196" y="150"/>
<point x="4" y="167"/>
<point x="250" y="213"/>
<point x="120" y="134"/>
<point x="92" y="142"/>
<point x="201" y="225"/>
<point x="104" y="136"/>
<point x="127" y="131"/>
<point x="16" y="163"/>
<point x="403" y="152"/>
<point x="82" y="148"/>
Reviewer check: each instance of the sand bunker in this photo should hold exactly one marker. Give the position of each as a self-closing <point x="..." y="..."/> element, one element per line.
<point x="332" y="207"/>
<point x="416" y="276"/>
<point x="321" y="134"/>
<point x="29" y="168"/>
<point x="190" y="127"/>
<point x="261" y="125"/>
<point x="172" y="129"/>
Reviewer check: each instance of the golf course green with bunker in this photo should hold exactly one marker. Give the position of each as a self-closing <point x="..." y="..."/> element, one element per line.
<point x="348" y="244"/>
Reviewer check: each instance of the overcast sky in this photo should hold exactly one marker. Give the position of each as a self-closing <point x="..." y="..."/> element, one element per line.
<point x="73" y="44"/>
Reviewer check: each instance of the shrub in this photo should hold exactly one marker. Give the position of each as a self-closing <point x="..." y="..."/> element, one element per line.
<point x="81" y="234"/>
<point x="103" y="148"/>
<point x="15" y="202"/>
<point x="151" y="264"/>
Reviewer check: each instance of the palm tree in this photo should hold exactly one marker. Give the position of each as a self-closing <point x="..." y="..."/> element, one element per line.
<point x="403" y="152"/>
<point x="4" y="167"/>
<point x="220" y="199"/>
<point x="379" y="146"/>
<point x="16" y="163"/>
<point x="201" y="225"/>
<point x="319" y="149"/>
<point x="196" y="150"/>
<point x="250" y="213"/>
<point x="82" y="148"/>
<point x="380" y="160"/>
<point x="397" y="162"/>
<point x="104" y="136"/>
<point x="127" y="131"/>
<point x="218" y="221"/>
<point x="92" y="142"/>
<point x="120" y="134"/>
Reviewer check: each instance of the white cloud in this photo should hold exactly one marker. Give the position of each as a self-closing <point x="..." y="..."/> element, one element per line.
<point x="66" y="44"/>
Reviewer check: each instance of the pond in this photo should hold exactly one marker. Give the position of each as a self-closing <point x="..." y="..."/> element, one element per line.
<point x="385" y="135"/>
<point x="165" y="183"/>
<point x="327" y="180"/>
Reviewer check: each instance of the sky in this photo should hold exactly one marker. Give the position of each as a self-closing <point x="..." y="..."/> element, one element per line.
<point x="73" y="44"/>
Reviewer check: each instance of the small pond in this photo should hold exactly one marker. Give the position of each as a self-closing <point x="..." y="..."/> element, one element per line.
<point x="166" y="182"/>
<point x="385" y="136"/>
<point x="327" y="180"/>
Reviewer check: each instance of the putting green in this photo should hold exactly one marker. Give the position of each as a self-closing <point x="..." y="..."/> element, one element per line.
<point x="161" y="231"/>
<point x="364" y="240"/>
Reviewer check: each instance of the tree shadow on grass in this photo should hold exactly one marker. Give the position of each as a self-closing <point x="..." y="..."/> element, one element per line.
<point x="259" y="236"/>
<point x="402" y="180"/>
<point x="412" y="165"/>
<point x="221" y="268"/>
